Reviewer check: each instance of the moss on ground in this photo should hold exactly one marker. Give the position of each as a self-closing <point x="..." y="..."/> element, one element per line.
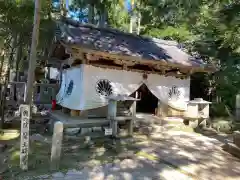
<point x="75" y="155"/>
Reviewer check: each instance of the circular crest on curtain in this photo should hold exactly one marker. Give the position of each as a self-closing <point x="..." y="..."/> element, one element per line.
<point x="69" y="88"/>
<point x="104" y="87"/>
<point x="174" y="93"/>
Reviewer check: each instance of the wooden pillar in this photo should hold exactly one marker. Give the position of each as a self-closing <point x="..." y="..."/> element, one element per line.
<point x="56" y="145"/>
<point x="237" y="114"/>
<point x="48" y="73"/>
<point x="112" y="112"/>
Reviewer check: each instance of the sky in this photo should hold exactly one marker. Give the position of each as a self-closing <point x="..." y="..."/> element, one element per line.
<point x="82" y="15"/>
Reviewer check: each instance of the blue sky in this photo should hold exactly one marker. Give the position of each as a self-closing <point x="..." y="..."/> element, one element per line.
<point x="82" y="15"/>
<point x="76" y="15"/>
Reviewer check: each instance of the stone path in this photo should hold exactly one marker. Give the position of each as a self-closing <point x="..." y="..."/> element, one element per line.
<point x="194" y="153"/>
<point x="198" y="155"/>
<point x="128" y="169"/>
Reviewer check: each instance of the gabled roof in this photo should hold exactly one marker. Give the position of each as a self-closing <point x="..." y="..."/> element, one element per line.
<point x="120" y="43"/>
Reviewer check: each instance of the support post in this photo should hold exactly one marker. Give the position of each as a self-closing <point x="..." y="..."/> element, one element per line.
<point x="56" y="145"/>
<point x="134" y="106"/>
<point x="24" y="145"/>
<point x="133" y="112"/>
<point x="237" y="107"/>
<point x="112" y="112"/>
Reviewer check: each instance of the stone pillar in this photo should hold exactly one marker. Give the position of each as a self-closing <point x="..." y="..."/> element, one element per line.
<point x="24" y="144"/>
<point x="112" y="112"/>
<point x="134" y="105"/>
<point x="162" y="109"/>
<point x="133" y="112"/>
<point x="56" y="145"/>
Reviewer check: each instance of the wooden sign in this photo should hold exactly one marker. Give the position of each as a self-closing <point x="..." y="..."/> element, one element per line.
<point x="24" y="145"/>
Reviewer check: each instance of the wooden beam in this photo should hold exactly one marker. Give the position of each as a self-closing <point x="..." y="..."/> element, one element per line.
<point x="140" y="71"/>
<point x="137" y="59"/>
<point x="92" y="57"/>
<point x="125" y="67"/>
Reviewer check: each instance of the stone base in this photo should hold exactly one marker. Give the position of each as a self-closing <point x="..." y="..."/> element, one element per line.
<point x="236" y="139"/>
<point x="74" y="113"/>
<point x="193" y="123"/>
<point x="65" y="110"/>
<point x="233" y="149"/>
<point x="2" y="147"/>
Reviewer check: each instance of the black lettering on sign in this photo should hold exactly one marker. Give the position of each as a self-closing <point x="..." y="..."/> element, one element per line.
<point x="24" y="159"/>
<point x="25" y="123"/>
<point x="24" y="151"/>
<point x="24" y="145"/>
<point x="25" y="135"/>
<point x="25" y="113"/>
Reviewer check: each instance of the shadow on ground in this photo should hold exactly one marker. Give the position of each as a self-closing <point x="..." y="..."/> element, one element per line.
<point x="162" y="154"/>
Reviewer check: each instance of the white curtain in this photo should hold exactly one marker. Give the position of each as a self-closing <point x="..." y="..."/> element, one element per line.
<point x="92" y="84"/>
<point x="97" y="79"/>
<point x="70" y="95"/>
<point x="170" y="90"/>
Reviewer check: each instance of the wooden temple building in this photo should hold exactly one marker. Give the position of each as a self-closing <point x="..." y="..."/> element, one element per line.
<point x="95" y="63"/>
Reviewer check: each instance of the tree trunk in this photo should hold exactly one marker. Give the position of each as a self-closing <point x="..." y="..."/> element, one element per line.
<point x="91" y="13"/>
<point x="33" y="52"/>
<point x="1" y="63"/>
<point x="131" y="22"/>
<point x="4" y="87"/>
<point x="138" y="23"/>
<point x="103" y="14"/>
<point x="18" y="57"/>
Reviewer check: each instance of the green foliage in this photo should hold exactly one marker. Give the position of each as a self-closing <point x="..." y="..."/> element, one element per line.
<point x="218" y="110"/>
<point x="180" y="34"/>
<point x="208" y="28"/>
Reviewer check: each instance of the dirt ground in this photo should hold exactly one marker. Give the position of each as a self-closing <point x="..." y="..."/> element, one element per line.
<point x="165" y="153"/>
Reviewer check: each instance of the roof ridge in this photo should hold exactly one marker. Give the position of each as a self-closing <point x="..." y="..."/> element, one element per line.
<point x="75" y="23"/>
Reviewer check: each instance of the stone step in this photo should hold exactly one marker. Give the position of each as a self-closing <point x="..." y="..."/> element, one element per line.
<point x="236" y="138"/>
<point x="233" y="149"/>
<point x="2" y="147"/>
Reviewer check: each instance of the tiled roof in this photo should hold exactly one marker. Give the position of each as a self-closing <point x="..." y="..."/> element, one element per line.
<point x="116" y="42"/>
